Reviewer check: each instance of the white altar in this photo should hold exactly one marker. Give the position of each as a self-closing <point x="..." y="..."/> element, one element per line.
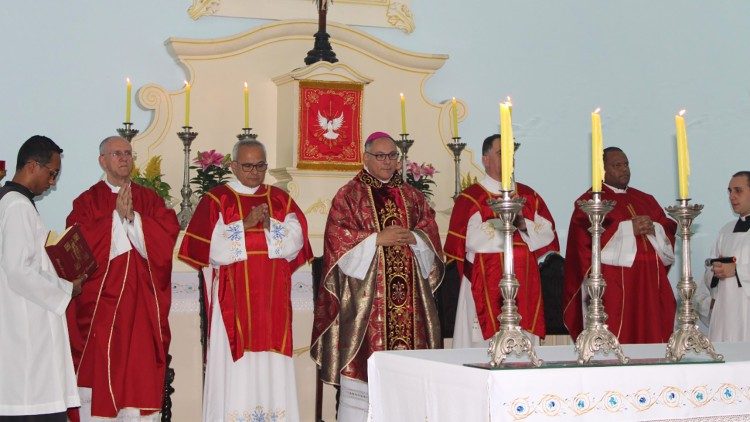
<point x="433" y="385"/>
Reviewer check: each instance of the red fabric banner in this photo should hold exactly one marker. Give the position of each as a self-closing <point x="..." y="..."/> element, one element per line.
<point x="330" y="125"/>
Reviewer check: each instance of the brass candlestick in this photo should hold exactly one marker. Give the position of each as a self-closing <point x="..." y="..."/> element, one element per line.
<point x="186" y="208"/>
<point x="247" y="133"/>
<point x="509" y="338"/>
<point x="456" y="147"/>
<point x="127" y="131"/>
<point x="596" y="336"/>
<point x="687" y="336"/>
<point x="403" y="145"/>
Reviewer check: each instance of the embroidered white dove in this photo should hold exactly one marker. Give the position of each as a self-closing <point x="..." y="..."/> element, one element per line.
<point x="330" y="126"/>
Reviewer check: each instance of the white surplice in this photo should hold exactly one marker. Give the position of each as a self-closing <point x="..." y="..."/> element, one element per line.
<point x="730" y="317"/>
<point x="36" y="367"/>
<point x="260" y="385"/>
<point x="483" y="237"/>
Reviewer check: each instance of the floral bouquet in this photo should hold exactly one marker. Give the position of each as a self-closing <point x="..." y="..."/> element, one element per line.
<point x="420" y="176"/>
<point x="212" y="170"/>
<point x="151" y="178"/>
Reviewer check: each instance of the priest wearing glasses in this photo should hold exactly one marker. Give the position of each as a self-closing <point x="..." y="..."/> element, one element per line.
<point x="248" y="238"/>
<point x="382" y="262"/>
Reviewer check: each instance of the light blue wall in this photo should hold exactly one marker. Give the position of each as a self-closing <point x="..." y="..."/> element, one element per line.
<point x="640" y="61"/>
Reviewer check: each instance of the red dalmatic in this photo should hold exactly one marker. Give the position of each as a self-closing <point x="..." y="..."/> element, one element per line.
<point x="254" y="293"/>
<point x="487" y="270"/>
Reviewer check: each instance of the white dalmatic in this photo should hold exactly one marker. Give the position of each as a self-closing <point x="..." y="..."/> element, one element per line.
<point x="730" y="316"/>
<point x="260" y="385"/>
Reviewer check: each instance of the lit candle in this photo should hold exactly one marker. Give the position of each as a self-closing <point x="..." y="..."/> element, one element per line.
<point x="683" y="156"/>
<point x="597" y="152"/>
<point x="128" y="96"/>
<point x="454" y="113"/>
<point x="510" y="105"/>
<point x="187" y="103"/>
<point x="246" y="96"/>
<point x="506" y="147"/>
<point x="403" y="113"/>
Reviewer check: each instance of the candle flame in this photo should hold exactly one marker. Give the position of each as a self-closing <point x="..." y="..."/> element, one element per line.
<point x="402" y="95"/>
<point x="508" y="101"/>
<point x="682" y="112"/>
<point x="454" y="99"/>
<point x="127" y="81"/>
<point x="597" y="110"/>
<point x="245" y="84"/>
<point x="186" y="83"/>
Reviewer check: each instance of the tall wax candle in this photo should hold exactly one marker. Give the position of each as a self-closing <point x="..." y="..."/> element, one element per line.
<point x="597" y="152"/>
<point x="246" y="99"/>
<point x="128" y="97"/>
<point x="403" y="113"/>
<point x="187" y="104"/>
<point x="506" y="147"/>
<point x="454" y="117"/>
<point x="683" y="157"/>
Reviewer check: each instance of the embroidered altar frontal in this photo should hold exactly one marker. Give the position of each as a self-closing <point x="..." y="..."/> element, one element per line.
<point x="330" y="125"/>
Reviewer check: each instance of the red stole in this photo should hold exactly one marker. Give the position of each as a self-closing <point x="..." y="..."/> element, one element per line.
<point x="638" y="300"/>
<point x="487" y="270"/>
<point x="118" y="325"/>
<point x="254" y="294"/>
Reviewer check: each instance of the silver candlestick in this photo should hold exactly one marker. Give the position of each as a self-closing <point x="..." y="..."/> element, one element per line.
<point x="247" y="133"/>
<point x="403" y="145"/>
<point x="509" y="338"/>
<point x="596" y="336"/>
<point x="127" y="131"/>
<point x="186" y="208"/>
<point x="456" y="147"/>
<point x="687" y="336"/>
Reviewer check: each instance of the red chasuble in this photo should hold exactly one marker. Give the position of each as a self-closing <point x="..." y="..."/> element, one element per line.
<point x="393" y="307"/>
<point x="119" y="331"/>
<point x="638" y="300"/>
<point x="487" y="269"/>
<point x="255" y="293"/>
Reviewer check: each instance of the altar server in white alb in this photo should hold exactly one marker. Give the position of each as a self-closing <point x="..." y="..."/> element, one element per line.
<point x="729" y="282"/>
<point x="37" y="381"/>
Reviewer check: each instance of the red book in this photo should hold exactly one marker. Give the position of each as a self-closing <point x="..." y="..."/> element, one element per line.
<point x="70" y="254"/>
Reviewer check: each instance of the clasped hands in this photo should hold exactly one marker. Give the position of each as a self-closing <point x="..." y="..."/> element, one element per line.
<point x="642" y="224"/>
<point x="256" y="215"/>
<point x="124" y="203"/>
<point x="394" y="236"/>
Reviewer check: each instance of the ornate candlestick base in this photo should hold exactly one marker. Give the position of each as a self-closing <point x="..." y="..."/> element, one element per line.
<point x="456" y="147"/>
<point x="596" y="336"/>
<point x="403" y="145"/>
<point x="509" y="338"/>
<point x="687" y="336"/>
<point x="186" y="208"/>
<point x="247" y="133"/>
<point x="127" y="131"/>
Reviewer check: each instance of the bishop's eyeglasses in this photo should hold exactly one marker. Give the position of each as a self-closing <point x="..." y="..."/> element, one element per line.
<point x="381" y="157"/>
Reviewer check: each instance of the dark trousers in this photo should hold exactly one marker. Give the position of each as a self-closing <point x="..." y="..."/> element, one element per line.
<point x="49" y="417"/>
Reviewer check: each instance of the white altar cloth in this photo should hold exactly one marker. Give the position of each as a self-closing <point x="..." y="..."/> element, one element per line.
<point x="433" y="385"/>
